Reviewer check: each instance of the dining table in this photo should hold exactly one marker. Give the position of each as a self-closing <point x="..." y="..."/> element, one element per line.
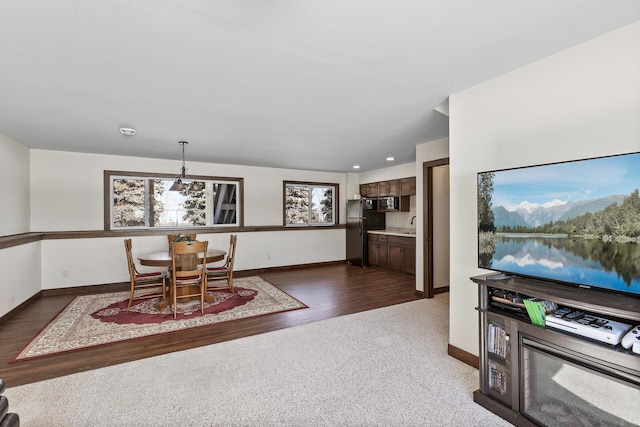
<point x="163" y="259"/>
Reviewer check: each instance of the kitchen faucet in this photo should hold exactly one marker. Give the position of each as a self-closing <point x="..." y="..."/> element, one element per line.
<point x="414" y="217"/>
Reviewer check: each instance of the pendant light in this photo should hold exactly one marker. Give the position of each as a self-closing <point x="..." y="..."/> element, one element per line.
<point x="178" y="184"/>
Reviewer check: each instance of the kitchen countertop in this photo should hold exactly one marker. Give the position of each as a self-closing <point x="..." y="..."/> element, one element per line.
<point x="402" y="232"/>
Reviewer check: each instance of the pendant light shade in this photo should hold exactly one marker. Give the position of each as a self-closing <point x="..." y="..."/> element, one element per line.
<point x="179" y="184"/>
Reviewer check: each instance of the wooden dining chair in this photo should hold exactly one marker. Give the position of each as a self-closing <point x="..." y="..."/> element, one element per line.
<point x="224" y="272"/>
<point x="180" y="238"/>
<point x="143" y="280"/>
<point x="188" y="272"/>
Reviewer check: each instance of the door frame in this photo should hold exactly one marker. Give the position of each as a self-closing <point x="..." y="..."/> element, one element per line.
<point x="427" y="220"/>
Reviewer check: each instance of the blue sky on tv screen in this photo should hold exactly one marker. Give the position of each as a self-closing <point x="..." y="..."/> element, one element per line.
<point x="571" y="181"/>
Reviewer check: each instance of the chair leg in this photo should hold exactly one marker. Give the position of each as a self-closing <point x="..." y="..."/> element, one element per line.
<point x="230" y="281"/>
<point x="203" y="290"/>
<point x="130" y="298"/>
<point x="175" y="301"/>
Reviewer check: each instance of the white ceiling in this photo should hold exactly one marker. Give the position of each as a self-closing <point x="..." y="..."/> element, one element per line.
<point x="318" y="85"/>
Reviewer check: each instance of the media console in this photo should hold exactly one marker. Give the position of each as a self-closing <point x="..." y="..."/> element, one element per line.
<point x="540" y="375"/>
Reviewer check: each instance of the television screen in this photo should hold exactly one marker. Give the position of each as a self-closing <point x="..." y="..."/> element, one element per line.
<point x="575" y="222"/>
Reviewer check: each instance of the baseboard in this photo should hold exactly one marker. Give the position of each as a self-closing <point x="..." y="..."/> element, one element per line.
<point x="441" y="290"/>
<point x="419" y="294"/>
<point x="86" y="290"/>
<point x="463" y="356"/>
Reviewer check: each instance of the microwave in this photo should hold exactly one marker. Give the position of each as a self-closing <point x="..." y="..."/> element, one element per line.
<point x="388" y="203"/>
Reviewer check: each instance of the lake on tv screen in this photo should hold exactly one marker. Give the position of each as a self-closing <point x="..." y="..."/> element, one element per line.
<point x="594" y="263"/>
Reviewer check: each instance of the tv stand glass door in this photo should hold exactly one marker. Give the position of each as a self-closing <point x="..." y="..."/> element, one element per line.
<point x="561" y="389"/>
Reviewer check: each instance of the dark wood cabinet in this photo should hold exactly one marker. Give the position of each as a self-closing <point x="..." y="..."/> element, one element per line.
<point x="372" y="189"/>
<point x="364" y="190"/>
<point x="384" y="189"/>
<point x="378" y="253"/>
<point x="393" y="253"/>
<point x="394" y="187"/>
<point x="518" y="360"/>
<point x="402" y="254"/>
<point x="408" y="186"/>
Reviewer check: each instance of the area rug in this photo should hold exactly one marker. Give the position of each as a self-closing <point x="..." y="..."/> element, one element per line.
<point x="95" y="320"/>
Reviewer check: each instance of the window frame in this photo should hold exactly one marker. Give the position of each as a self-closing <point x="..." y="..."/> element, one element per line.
<point x="335" y="204"/>
<point x="107" y="199"/>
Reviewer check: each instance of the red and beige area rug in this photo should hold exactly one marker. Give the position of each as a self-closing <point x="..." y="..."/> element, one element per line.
<point x="94" y="320"/>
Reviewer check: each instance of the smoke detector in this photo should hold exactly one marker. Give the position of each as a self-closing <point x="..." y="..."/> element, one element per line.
<point x="128" y="131"/>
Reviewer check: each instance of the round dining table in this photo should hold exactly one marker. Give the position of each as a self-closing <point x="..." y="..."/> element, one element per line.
<point x="163" y="258"/>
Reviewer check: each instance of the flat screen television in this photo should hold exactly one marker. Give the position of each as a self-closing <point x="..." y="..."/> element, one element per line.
<point x="574" y="222"/>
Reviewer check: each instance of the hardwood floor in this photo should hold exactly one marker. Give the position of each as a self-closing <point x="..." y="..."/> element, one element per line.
<point x="329" y="291"/>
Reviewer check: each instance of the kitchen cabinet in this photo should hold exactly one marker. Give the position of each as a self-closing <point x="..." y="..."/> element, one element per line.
<point x="393" y="253"/>
<point x="389" y="188"/>
<point x="372" y="189"/>
<point x="364" y="190"/>
<point x="402" y="254"/>
<point x="383" y="189"/>
<point x="394" y="187"/>
<point x="378" y="253"/>
<point x="408" y="186"/>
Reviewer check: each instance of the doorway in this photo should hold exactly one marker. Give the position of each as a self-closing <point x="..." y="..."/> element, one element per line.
<point x="435" y="175"/>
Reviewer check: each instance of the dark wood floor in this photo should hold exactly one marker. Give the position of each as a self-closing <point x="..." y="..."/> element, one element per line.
<point x="329" y="291"/>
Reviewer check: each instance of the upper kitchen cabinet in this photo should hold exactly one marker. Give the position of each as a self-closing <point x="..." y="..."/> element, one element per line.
<point x="408" y="186"/>
<point x="384" y="189"/>
<point x="395" y="187"/>
<point x="364" y="190"/>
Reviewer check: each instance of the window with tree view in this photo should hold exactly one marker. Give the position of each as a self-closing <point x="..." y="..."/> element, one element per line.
<point x="138" y="201"/>
<point x="308" y="204"/>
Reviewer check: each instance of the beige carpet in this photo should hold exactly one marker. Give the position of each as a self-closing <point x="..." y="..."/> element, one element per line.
<point x="385" y="367"/>
<point x="76" y="328"/>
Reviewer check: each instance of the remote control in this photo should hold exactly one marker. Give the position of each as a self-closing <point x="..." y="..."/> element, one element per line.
<point x="630" y="337"/>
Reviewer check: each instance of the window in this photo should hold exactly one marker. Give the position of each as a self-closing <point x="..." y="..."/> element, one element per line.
<point x="138" y="200"/>
<point x="309" y="204"/>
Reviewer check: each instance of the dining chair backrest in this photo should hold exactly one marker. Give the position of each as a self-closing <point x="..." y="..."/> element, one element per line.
<point x="188" y="271"/>
<point x="145" y="280"/>
<point x="224" y="272"/>
<point x="231" y="255"/>
<point x="172" y="238"/>
<point x="130" y="262"/>
<point x="188" y="259"/>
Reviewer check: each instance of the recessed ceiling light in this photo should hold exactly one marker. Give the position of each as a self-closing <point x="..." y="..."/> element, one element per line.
<point x="390" y="159"/>
<point x="356" y="166"/>
<point x="128" y="131"/>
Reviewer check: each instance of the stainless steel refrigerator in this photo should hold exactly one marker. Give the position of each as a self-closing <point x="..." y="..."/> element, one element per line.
<point x="361" y="217"/>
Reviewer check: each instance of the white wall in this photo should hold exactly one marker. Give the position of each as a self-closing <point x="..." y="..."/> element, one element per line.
<point x="579" y="103"/>
<point x="385" y="174"/>
<point x="14" y="188"/>
<point x="20" y="267"/>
